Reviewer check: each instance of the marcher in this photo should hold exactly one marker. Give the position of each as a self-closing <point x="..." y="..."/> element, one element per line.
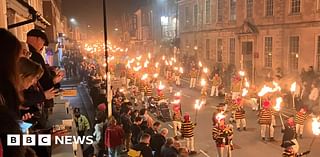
<point x="177" y="78"/>
<point x="216" y="82"/>
<point x="222" y="134"/>
<point x="187" y="128"/>
<point x="235" y="86"/>
<point x="289" y="134"/>
<point x="176" y="120"/>
<point x="289" y="150"/>
<point x="193" y="78"/>
<point x="265" y="121"/>
<point x="240" y="115"/>
<point x="300" y="119"/>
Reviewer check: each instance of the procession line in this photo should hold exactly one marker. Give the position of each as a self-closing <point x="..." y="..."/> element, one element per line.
<point x="205" y="154"/>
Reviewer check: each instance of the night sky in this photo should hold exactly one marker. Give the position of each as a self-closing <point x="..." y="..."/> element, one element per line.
<point x="89" y="12"/>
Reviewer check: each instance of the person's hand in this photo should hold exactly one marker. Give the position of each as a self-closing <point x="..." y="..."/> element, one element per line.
<point x="26" y="116"/>
<point x="58" y="78"/>
<point x="21" y="107"/>
<point x="50" y="94"/>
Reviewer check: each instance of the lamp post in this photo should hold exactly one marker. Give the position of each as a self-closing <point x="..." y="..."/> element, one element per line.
<point x="106" y="55"/>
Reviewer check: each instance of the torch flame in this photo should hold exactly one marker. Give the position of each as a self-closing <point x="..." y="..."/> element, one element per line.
<point x="293" y="87"/>
<point x="163" y="57"/>
<point x="198" y="104"/>
<point x="137" y="68"/>
<point x="178" y="94"/>
<point x="205" y="70"/>
<point x="166" y="62"/>
<point x="220" y="116"/>
<point x="203" y="82"/>
<point x="149" y="55"/>
<point x="244" y="91"/>
<point x="155" y="75"/>
<point x="265" y="89"/>
<point x="316" y="126"/>
<point x="200" y="64"/>
<point x="278" y="104"/>
<point x="277" y="87"/>
<point x="161" y="86"/>
<point x="181" y="70"/>
<point x="241" y="73"/>
<point x="157" y="65"/>
<point x="246" y="84"/>
<point x="175" y="68"/>
<point x="144" y="77"/>
<point x="146" y="63"/>
<point x="139" y="58"/>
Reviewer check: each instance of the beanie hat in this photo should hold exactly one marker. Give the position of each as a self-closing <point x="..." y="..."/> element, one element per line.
<point x="102" y="107"/>
<point x="186" y="117"/>
<point x="266" y="104"/>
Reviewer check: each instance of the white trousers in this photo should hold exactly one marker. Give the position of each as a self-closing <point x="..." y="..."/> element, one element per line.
<point x="241" y="121"/>
<point x="264" y="130"/>
<point x="178" y="83"/>
<point x="142" y="96"/>
<point x="176" y="127"/>
<point x="193" y="82"/>
<point x="273" y="120"/>
<point x="299" y="129"/>
<point x="224" y="150"/>
<point x="214" y="90"/>
<point x="128" y="81"/>
<point x="170" y="89"/>
<point x="190" y="143"/>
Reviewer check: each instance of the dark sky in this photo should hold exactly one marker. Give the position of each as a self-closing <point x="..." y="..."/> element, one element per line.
<point x="89" y="12"/>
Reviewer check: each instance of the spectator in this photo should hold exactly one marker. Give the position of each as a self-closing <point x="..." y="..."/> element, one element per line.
<point x="134" y="115"/>
<point x="98" y="128"/>
<point x="313" y="98"/>
<point x="168" y="149"/>
<point x="136" y="131"/>
<point x="154" y="129"/>
<point x="126" y="124"/>
<point x="82" y="122"/>
<point x="114" y="136"/>
<point x="25" y="50"/>
<point x="147" y="120"/>
<point x="158" y="140"/>
<point x="143" y="146"/>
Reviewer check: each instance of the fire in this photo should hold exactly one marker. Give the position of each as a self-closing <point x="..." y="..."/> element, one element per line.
<point x="170" y="63"/>
<point x="203" y="82"/>
<point x="149" y="55"/>
<point x="200" y="64"/>
<point x="166" y="62"/>
<point x="178" y="94"/>
<point x="264" y="91"/>
<point x="175" y="68"/>
<point x="316" y="126"/>
<point x="205" y="70"/>
<point x="157" y="65"/>
<point x="146" y="63"/>
<point x="144" y="77"/>
<point x="277" y="87"/>
<point x="104" y="65"/>
<point x="241" y="73"/>
<point x="161" y="86"/>
<point x="220" y="116"/>
<point x="293" y="87"/>
<point x="198" y="104"/>
<point x="105" y="76"/>
<point x="181" y="70"/>
<point x="279" y="100"/>
<point x="163" y="57"/>
<point x="155" y="75"/>
<point x="246" y="84"/>
<point x="137" y="68"/>
<point x="139" y="58"/>
<point x="244" y="91"/>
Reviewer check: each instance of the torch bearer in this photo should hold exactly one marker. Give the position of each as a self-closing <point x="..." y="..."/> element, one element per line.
<point x="293" y="90"/>
<point x="279" y="100"/>
<point x="197" y="107"/>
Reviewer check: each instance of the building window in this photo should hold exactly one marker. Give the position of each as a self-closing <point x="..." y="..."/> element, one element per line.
<point x="233" y="10"/>
<point x="318" y="4"/>
<point x="294" y="52"/>
<point x="208" y="11"/>
<point x="269" y="7"/>
<point x="208" y="48"/>
<point x="187" y="14"/>
<point x="219" y="50"/>
<point x="295" y="6"/>
<point x="195" y="14"/>
<point x="220" y="10"/>
<point x="318" y="53"/>
<point x="249" y="8"/>
<point x="232" y="49"/>
<point x="268" y="52"/>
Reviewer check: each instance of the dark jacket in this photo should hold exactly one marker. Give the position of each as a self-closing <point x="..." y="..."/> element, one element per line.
<point x="136" y="133"/>
<point x="146" y="150"/>
<point x="169" y="151"/>
<point x="150" y="131"/>
<point x="126" y="122"/>
<point x="289" y="133"/>
<point x="113" y="136"/>
<point x="46" y="80"/>
<point x="10" y="96"/>
<point x="156" y="142"/>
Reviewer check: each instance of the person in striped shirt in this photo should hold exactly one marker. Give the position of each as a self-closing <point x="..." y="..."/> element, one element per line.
<point x="222" y="134"/>
<point x="300" y="118"/>
<point x="265" y="121"/>
<point x="187" y="128"/>
<point x="240" y="115"/>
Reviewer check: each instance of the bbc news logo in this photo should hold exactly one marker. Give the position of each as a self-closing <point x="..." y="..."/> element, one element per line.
<point x="46" y="139"/>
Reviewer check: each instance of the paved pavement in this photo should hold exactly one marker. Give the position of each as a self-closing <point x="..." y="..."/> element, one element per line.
<point x="247" y="143"/>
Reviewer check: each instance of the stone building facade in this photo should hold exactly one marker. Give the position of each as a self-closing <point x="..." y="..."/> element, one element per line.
<point x="258" y="36"/>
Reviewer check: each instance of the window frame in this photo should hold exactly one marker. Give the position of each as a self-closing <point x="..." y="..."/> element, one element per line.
<point x="232" y="51"/>
<point x="219" y="50"/>
<point x="233" y="10"/>
<point x="207" y="11"/>
<point x="295" y="9"/>
<point x="251" y="8"/>
<point x="267" y="7"/>
<point x="294" y="56"/>
<point x="268" y="49"/>
<point x="220" y="7"/>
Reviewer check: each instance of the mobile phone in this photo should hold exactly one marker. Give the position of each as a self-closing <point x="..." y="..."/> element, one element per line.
<point x="24" y="126"/>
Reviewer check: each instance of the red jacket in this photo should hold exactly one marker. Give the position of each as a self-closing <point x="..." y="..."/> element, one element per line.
<point x="114" y="136"/>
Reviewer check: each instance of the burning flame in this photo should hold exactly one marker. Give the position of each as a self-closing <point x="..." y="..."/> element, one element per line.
<point x="146" y="63"/>
<point x="198" y="104"/>
<point x="246" y="84"/>
<point x="155" y="75"/>
<point x="244" y="91"/>
<point x="178" y="94"/>
<point x="205" y="70"/>
<point x="316" y="126"/>
<point x="279" y="100"/>
<point x="149" y="55"/>
<point x="203" y="82"/>
<point x="166" y="62"/>
<point x="170" y="63"/>
<point x="265" y="89"/>
<point x="220" y="116"/>
<point x="144" y="77"/>
<point x="157" y="65"/>
<point x="277" y="87"/>
<point x="139" y="58"/>
<point x="175" y="68"/>
<point x="293" y="87"/>
<point x="163" y="57"/>
<point x="137" y="68"/>
<point x="241" y="73"/>
<point x="104" y="65"/>
<point x="161" y="86"/>
<point x="200" y="64"/>
<point x="181" y="70"/>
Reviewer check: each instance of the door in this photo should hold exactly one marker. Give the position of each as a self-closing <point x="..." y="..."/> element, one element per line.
<point x="247" y="52"/>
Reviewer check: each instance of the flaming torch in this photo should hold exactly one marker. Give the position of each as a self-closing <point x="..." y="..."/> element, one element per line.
<point x="264" y="90"/>
<point x="220" y="116"/>
<point x="315" y="130"/>
<point x="200" y="64"/>
<point x="203" y="82"/>
<point x="293" y="90"/>
<point x="241" y="73"/>
<point x="157" y="65"/>
<point x="181" y="70"/>
<point x="197" y="107"/>
<point x="144" y="77"/>
<point x="155" y="75"/>
<point x="244" y="92"/>
<point x="279" y="100"/>
<point x="161" y="86"/>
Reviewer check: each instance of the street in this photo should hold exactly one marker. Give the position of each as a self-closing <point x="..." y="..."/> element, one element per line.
<point x="246" y="143"/>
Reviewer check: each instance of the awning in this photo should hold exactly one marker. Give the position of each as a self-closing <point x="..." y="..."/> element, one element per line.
<point x="35" y="15"/>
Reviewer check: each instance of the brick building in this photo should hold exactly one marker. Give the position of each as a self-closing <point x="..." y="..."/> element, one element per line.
<point x="256" y="35"/>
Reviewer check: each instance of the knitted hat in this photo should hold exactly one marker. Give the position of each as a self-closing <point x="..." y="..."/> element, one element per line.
<point x="287" y="144"/>
<point x="186" y="117"/>
<point x="102" y="107"/>
<point x="266" y="104"/>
